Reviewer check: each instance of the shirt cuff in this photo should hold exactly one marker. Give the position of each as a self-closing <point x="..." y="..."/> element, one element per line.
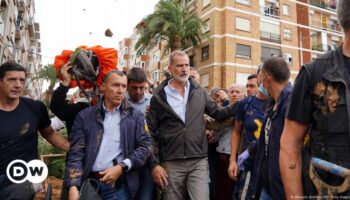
<point x="128" y="163"/>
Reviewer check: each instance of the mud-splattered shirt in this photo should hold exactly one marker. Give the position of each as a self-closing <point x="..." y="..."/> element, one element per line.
<point x="18" y="131"/>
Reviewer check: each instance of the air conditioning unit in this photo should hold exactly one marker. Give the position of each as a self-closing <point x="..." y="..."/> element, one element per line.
<point x="288" y="57"/>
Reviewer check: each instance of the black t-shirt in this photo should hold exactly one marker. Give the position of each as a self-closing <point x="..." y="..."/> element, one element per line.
<point x="299" y="109"/>
<point x="18" y="131"/>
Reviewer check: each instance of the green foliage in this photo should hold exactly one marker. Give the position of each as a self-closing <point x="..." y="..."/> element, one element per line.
<point x="56" y="165"/>
<point x="172" y="23"/>
<point x="48" y="73"/>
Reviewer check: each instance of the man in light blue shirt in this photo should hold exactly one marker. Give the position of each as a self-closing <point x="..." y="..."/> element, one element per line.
<point x="109" y="144"/>
<point x="140" y="100"/>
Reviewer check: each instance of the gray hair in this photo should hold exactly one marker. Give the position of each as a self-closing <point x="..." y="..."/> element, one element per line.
<point x="343" y="13"/>
<point x="176" y="53"/>
<point x="120" y="73"/>
<point x="240" y="86"/>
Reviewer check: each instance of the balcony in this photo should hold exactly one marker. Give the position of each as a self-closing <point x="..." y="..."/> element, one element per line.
<point x="319" y="47"/>
<point x="271" y="37"/>
<point x="145" y="58"/>
<point x="31" y="28"/>
<point x="329" y="4"/>
<point x="29" y="74"/>
<point x="26" y="92"/>
<point x="21" y="6"/>
<point x="18" y="34"/>
<point x="37" y="35"/>
<point x="325" y="25"/>
<point x="191" y="5"/>
<point x="156" y="65"/>
<point x="31" y="57"/>
<point x="37" y="27"/>
<point x="270" y="11"/>
<point x="126" y="56"/>
<point x="127" y="42"/>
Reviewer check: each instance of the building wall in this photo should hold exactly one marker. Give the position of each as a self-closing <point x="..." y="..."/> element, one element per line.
<point x="19" y="37"/>
<point x="288" y="25"/>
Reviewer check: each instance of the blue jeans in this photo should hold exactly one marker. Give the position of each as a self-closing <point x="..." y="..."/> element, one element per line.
<point x="146" y="183"/>
<point x="264" y="195"/>
<point x="239" y="185"/>
<point x="108" y="192"/>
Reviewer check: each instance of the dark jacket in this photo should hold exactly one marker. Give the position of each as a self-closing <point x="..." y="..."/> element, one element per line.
<point x="329" y="98"/>
<point x="277" y="118"/>
<point x="330" y="127"/>
<point x="63" y="110"/>
<point x="174" y="139"/>
<point x="86" y="137"/>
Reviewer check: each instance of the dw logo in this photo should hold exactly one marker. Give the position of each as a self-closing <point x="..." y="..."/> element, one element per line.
<point x="18" y="171"/>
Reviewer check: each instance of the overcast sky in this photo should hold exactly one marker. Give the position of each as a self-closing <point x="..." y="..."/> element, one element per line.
<point x="66" y="24"/>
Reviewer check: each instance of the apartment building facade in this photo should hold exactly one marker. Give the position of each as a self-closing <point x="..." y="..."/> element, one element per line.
<point x="149" y="60"/>
<point x="19" y="40"/>
<point x="243" y="33"/>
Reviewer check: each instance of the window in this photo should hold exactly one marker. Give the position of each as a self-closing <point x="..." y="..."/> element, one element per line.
<point x="206" y="3"/>
<point x="206" y="27"/>
<point x="241" y="78"/>
<point x="192" y="61"/>
<point x="270" y="31"/>
<point x="205" y="53"/>
<point x="155" y="76"/>
<point x="242" y="24"/>
<point x="1" y="26"/>
<point x="243" y="51"/>
<point x="126" y="50"/>
<point x="244" y="2"/>
<point x="286" y="9"/>
<point x="287" y="34"/>
<point x="268" y="51"/>
<point x="288" y="58"/>
<point x="205" y="80"/>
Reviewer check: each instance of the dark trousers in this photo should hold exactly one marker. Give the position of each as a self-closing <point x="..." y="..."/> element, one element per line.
<point x="212" y="168"/>
<point x="9" y="190"/>
<point x="224" y="185"/>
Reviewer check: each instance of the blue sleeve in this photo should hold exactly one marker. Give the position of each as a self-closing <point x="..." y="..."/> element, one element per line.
<point x="240" y="110"/>
<point x="140" y="154"/>
<point x="74" y="164"/>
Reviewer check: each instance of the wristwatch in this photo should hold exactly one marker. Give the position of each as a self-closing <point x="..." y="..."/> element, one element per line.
<point x="124" y="166"/>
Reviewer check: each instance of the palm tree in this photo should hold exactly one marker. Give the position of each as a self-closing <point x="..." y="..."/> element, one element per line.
<point x="172" y="23"/>
<point x="48" y="73"/>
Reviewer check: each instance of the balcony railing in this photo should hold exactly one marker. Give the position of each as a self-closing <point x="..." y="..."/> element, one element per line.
<point x="319" y="47"/>
<point x="327" y="4"/>
<point x="325" y="25"/>
<point x="272" y="37"/>
<point x="270" y="11"/>
<point x="18" y="33"/>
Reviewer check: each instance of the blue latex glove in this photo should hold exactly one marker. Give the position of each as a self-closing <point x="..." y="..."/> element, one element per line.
<point x="241" y="159"/>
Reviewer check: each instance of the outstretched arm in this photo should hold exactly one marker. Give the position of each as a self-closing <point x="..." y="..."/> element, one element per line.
<point x="54" y="138"/>
<point x="290" y="157"/>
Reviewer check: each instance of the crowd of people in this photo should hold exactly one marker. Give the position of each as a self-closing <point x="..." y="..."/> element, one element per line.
<point x="252" y="140"/>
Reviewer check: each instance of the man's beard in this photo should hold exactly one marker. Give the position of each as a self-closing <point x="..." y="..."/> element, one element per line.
<point x="182" y="79"/>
